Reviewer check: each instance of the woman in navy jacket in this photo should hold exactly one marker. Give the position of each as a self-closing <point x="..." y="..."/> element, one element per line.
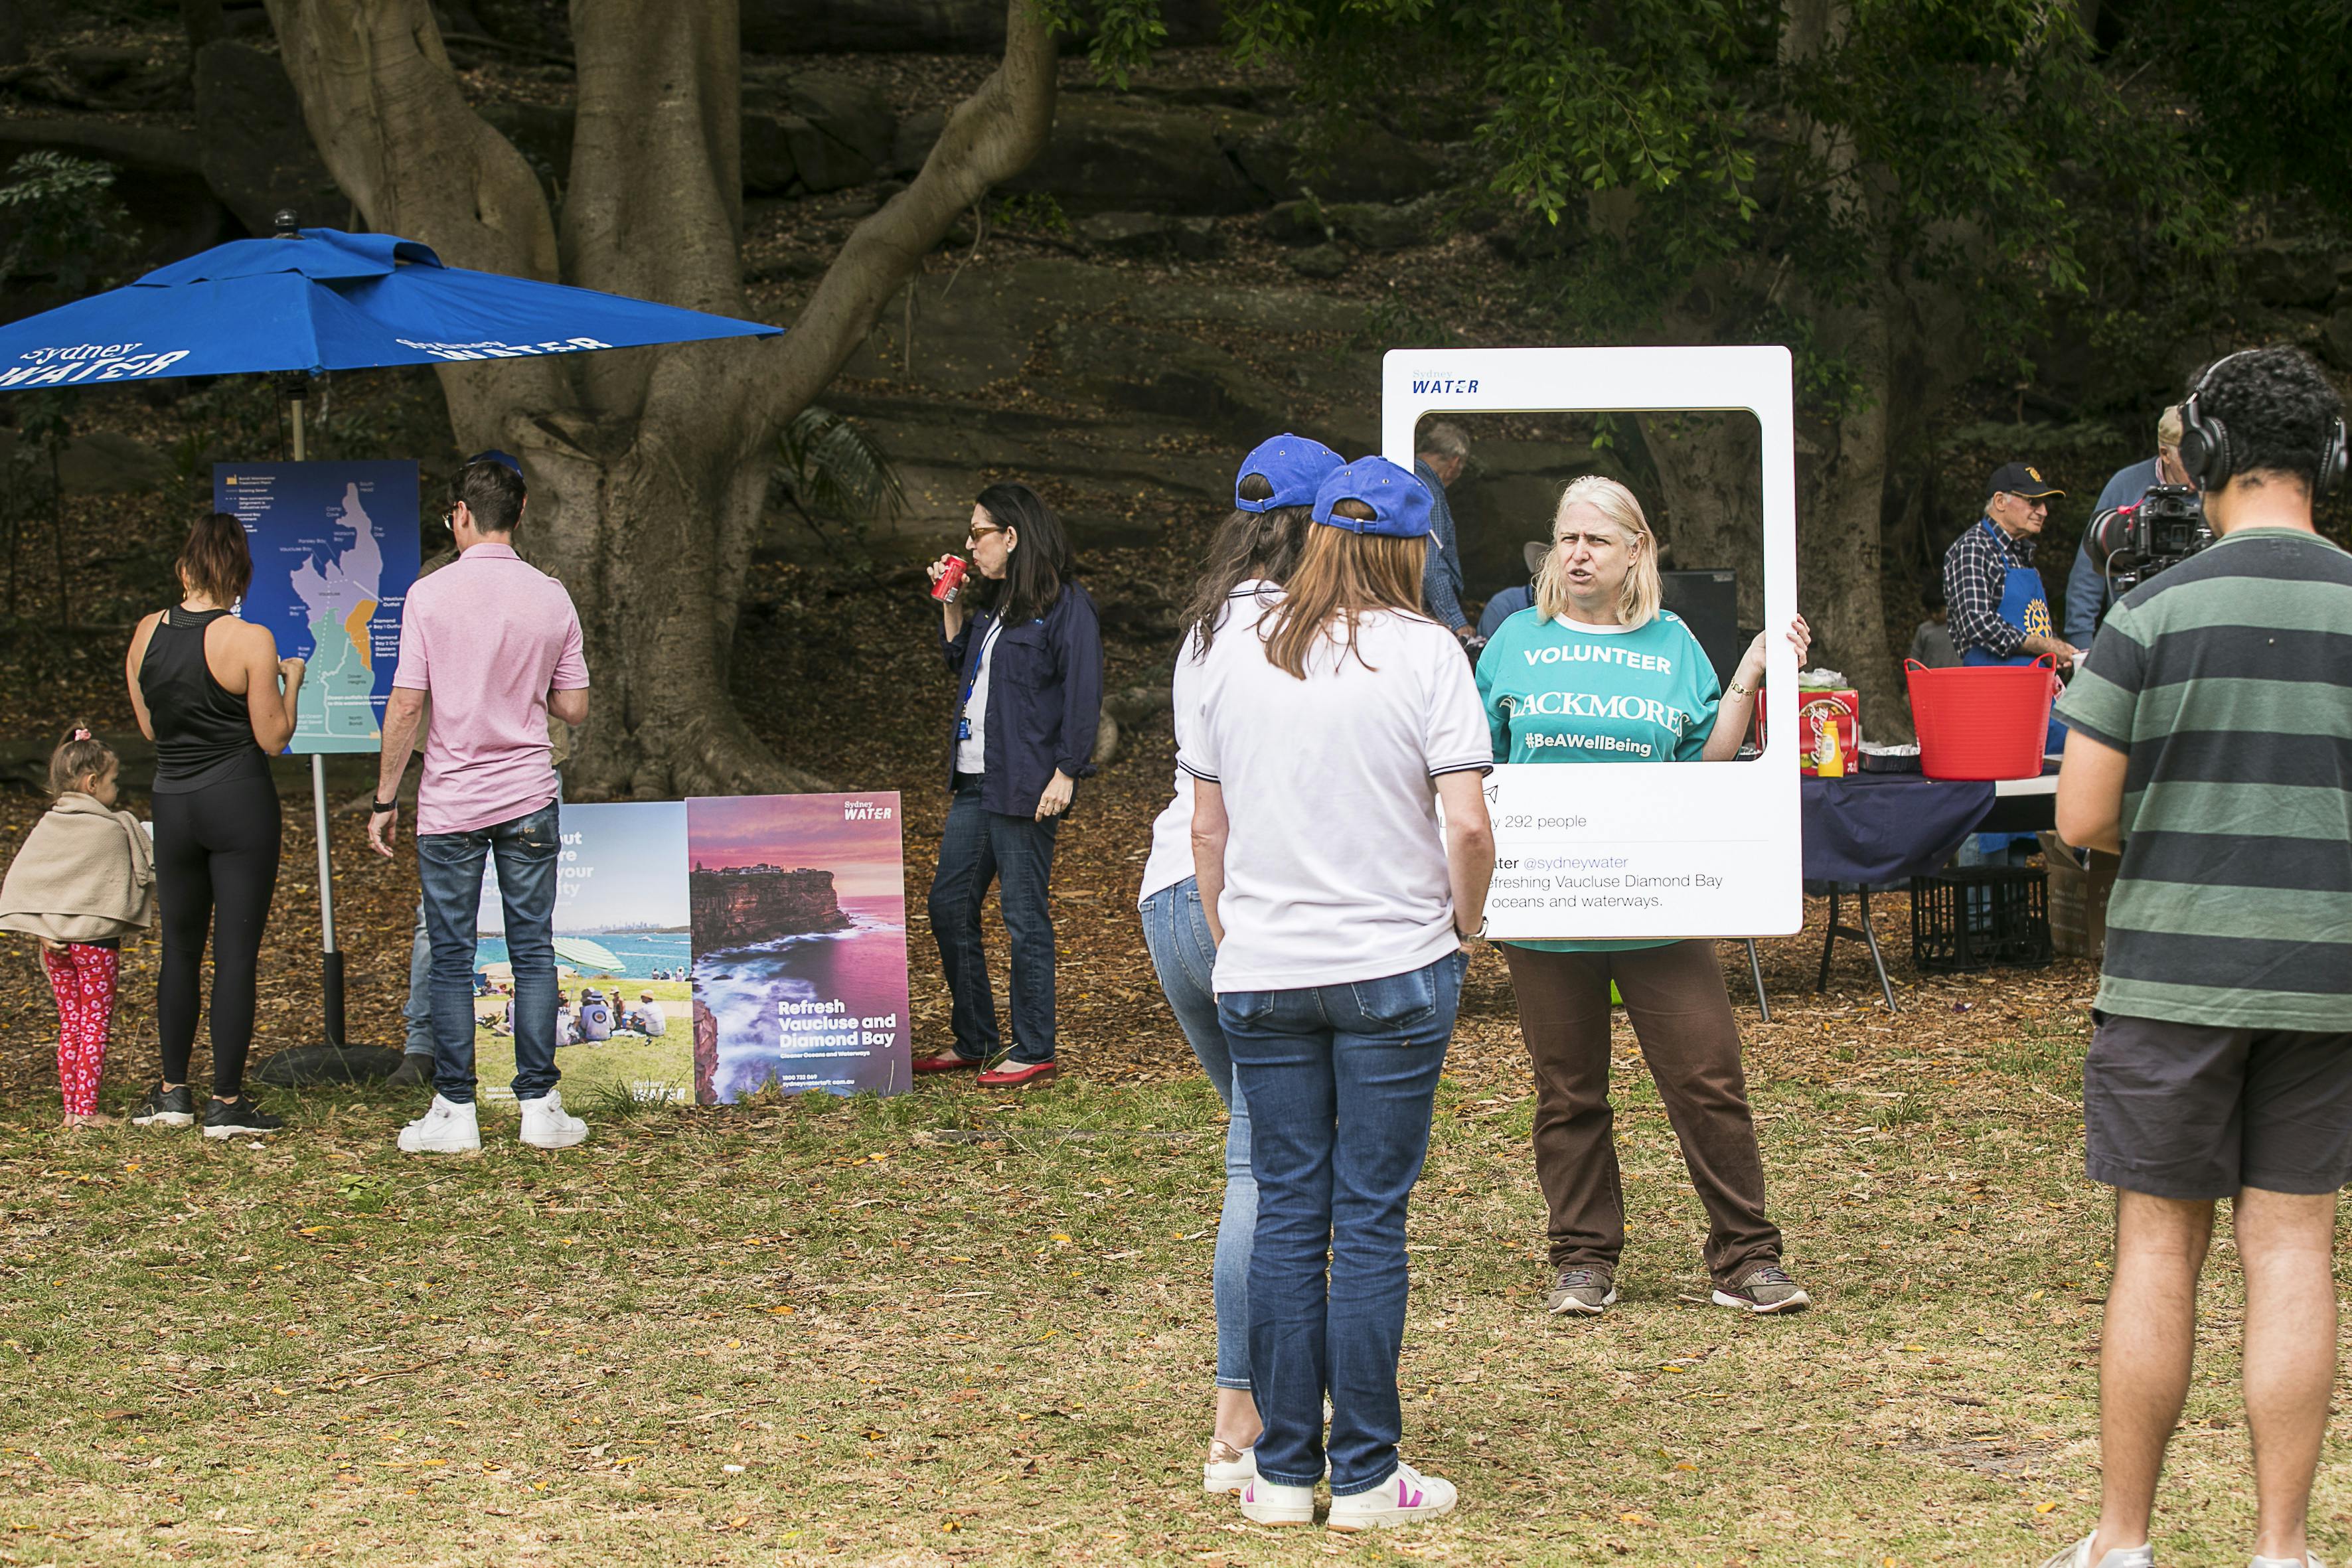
<point x="1028" y="668"/>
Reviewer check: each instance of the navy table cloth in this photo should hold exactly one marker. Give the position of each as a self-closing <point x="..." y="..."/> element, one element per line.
<point x="1886" y="827"/>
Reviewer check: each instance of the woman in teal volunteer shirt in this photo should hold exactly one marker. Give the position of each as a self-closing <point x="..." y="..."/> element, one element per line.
<point x="1596" y="672"/>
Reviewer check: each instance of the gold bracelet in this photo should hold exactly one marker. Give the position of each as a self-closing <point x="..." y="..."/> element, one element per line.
<point x="1735" y="690"/>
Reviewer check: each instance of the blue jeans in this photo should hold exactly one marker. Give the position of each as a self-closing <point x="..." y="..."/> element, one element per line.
<point x="977" y="848"/>
<point x="1340" y="1080"/>
<point x="1176" y="932"/>
<point x="417" y="1011"/>
<point x="450" y="866"/>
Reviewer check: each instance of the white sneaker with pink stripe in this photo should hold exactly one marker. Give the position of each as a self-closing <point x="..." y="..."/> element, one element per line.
<point x="1407" y="1497"/>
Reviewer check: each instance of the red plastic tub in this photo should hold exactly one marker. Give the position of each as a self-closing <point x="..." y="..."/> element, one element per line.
<point x="1985" y="721"/>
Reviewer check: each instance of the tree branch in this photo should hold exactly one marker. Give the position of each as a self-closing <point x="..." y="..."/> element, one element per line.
<point x="992" y="136"/>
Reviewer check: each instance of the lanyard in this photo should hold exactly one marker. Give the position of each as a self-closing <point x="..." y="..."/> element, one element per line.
<point x="986" y="643"/>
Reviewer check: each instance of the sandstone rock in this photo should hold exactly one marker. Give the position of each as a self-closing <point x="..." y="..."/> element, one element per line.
<point x="2281" y="275"/>
<point x="1371" y="165"/>
<point x="1127" y="233"/>
<point x="1119" y="157"/>
<point x="1294" y="223"/>
<point x="2335" y="339"/>
<point x="256" y="152"/>
<point x="912" y="141"/>
<point x="1318" y="261"/>
<point x="1375" y="227"/>
<point x="785" y="153"/>
<point x="922" y="26"/>
<point x="1195" y="239"/>
<point x="852" y="113"/>
<point x="101" y="462"/>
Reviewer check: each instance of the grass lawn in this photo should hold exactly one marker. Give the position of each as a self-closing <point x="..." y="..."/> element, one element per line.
<point x="944" y="1327"/>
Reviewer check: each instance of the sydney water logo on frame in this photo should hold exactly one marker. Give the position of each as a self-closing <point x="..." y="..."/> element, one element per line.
<point x="89" y="362"/>
<point x="1445" y="386"/>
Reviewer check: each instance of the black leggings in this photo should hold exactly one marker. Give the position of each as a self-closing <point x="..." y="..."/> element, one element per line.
<point x="216" y="859"/>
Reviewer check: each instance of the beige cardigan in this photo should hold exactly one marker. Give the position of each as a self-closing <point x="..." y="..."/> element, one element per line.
<point x="85" y="874"/>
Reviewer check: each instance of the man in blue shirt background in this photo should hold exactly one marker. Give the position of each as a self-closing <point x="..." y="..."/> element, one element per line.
<point x="2086" y="591"/>
<point x="1438" y="460"/>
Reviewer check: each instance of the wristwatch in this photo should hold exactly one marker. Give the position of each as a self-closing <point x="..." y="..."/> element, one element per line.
<point x="383" y="806"/>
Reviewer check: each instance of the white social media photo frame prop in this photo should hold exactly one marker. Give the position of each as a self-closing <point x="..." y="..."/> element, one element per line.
<point x="1629" y="850"/>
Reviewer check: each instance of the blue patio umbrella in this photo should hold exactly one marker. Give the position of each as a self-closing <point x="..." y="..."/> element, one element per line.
<point x="323" y="299"/>
<point x="320" y="299"/>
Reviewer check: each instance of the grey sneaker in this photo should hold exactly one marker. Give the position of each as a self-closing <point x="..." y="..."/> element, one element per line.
<point x="1581" y="1289"/>
<point x="1764" y="1289"/>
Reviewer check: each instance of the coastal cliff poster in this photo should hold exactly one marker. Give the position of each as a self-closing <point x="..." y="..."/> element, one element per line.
<point x="798" y="911"/>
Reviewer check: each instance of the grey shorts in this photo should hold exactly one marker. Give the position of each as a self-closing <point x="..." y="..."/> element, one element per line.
<point x="2190" y="1110"/>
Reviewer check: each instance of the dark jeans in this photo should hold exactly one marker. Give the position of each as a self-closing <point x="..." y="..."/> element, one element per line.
<point x="1682" y="1016"/>
<point x="416" y="1013"/>
<point x="450" y="866"/>
<point x="1339" y="1080"/>
<point x="1017" y="854"/>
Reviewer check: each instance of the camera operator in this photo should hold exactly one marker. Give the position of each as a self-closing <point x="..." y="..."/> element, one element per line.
<point x="2087" y="594"/>
<point x="2208" y="746"/>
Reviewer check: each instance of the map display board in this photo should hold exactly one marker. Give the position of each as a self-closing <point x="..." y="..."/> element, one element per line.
<point x="334" y="552"/>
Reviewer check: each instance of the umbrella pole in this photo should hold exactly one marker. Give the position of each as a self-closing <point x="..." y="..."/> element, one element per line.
<point x="332" y="1060"/>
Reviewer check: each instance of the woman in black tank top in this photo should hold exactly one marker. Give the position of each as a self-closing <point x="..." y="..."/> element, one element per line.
<point x="217" y="816"/>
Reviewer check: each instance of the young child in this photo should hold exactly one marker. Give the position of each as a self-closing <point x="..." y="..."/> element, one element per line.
<point x="84" y="879"/>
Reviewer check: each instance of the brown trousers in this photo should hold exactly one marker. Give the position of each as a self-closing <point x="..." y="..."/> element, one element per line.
<point x="1682" y="1016"/>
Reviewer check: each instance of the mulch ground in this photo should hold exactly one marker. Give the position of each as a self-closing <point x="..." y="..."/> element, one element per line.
<point x="838" y="672"/>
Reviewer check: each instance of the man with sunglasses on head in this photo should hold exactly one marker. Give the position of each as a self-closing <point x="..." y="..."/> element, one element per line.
<point x="496" y="643"/>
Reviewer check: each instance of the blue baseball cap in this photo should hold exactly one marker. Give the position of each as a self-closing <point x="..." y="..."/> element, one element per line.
<point x="1293" y="465"/>
<point x="495" y="456"/>
<point x="1399" y="500"/>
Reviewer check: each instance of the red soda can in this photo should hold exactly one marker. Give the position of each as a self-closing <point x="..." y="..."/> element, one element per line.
<point x="950" y="581"/>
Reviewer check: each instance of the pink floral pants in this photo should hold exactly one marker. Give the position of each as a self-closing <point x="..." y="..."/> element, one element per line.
<point x="82" y="978"/>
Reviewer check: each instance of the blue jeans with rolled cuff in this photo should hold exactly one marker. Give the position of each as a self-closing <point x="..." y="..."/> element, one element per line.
<point x="1340" y="1081"/>
<point x="449" y="868"/>
<point x="1176" y="932"/>
<point x="979" y="847"/>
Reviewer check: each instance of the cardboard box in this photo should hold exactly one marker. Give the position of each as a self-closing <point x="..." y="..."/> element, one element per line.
<point x="1817" y="707"/>
<point x="2078" y="899"/>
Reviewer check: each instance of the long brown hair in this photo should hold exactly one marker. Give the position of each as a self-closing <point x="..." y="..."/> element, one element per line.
<point x="1247" y="545"/>
<point x="217" y="561"/>
<point x="1345" y="575"/>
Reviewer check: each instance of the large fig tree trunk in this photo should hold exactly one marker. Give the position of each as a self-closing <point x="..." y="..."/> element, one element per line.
<point x="648" y="468"/>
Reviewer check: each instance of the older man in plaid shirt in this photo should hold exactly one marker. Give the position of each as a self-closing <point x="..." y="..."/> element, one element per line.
<point x="1999" y="613"/>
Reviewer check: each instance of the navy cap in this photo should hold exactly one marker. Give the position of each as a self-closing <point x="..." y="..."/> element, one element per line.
<point x="1293" y="465"/>
<point x="2021" y="479"/>
<point x="1399" y="500"/>
<point x="495" y="456"/>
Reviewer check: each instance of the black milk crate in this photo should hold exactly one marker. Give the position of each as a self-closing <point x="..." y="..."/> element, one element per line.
<point x="1977" y="916"/>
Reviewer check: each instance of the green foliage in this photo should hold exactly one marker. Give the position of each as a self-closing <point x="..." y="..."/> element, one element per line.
<point x="1032" y="210"/>
<point x="1122" y="33"/>
<point x="67" y="225"/>
<point x="833" y="471"/>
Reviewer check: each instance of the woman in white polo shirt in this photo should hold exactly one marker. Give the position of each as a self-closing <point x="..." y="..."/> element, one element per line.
<point x="1328" y="729"/>
<point x="1595" y="671"/>
<point x="1254" y="552"/>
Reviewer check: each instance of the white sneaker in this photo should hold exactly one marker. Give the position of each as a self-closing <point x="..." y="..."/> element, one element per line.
<point x="546" y="1126"/>
<point x="444" y="1129"/>
<point x="1228" y="1469"/>
<point x="1407" y="1497"/>
<point x="1266" y="1502"/>
<point x="2079" y="1556"/>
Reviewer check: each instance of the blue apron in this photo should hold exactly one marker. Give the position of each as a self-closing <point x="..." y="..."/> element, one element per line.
<point x="2024" y="604"/>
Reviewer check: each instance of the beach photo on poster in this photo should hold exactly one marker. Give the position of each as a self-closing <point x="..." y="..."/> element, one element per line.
<point x="623" y="955"/>
<point x="799" y="916"/>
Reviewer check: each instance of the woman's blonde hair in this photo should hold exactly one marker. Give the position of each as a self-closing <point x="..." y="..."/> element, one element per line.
<point x="1637" y="601"/>
<point x="1341" y="575"/>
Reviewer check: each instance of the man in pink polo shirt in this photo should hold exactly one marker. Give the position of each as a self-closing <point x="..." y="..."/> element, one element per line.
<point x="497" y="643"/>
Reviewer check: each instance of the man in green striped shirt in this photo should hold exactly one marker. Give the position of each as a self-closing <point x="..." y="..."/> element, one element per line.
<point x="2210" y="743"/>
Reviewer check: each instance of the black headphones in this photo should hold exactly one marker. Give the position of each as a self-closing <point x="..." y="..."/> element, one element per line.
<point x="2205" y="451"/>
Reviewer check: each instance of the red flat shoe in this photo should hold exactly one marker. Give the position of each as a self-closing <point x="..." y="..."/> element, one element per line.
<point x="1010" y="1074"/>
<point x="947" y="1061"/>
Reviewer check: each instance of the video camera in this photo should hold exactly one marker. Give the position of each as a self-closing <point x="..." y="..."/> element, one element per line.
<point x="2165" y="527"/>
